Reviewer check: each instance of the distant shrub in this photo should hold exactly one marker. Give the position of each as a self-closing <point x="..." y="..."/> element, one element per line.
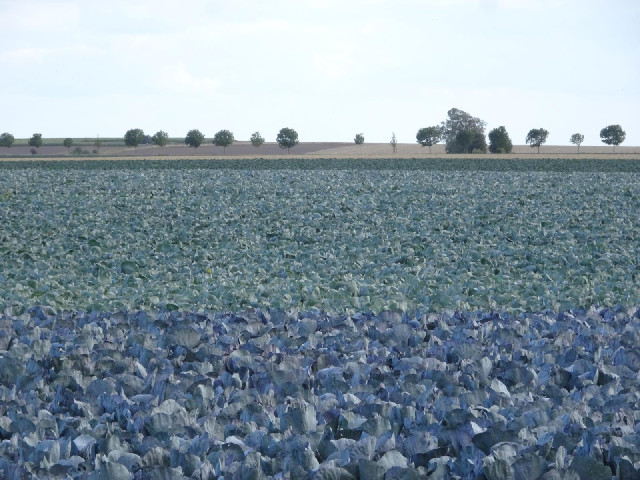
<point x="6" y="140"/>
<point x="68" y="142"/>
<point x="34" y="151"/>
<point x="499" y="141"/>
<point x="256" y="139"/>
<point x="35" y="140"/>
<point x="95" y="151"/>
<point x="359" y="140"/>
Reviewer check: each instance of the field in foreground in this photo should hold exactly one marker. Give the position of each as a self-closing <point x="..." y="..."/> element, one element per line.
<point x="322" y="319"/>
<point x="269" y="395"/>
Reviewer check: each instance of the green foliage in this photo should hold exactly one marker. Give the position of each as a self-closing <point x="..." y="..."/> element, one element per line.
<point x="160" y="138"/>
<point x="613" y="135"/>
<point x="6" y="140"/>
<point x="488" y="232"/>
<point x="499" y="141"/>
<point x="458" y="121"/>
<point x="194" y="138"/>
<point x="68" y="142"/>
<point x="223" y="139"/>
<point x="466" y="141"/>
<point x="133" y="137"/>
<point x="256" y="139"/>
<point x="35" y="140"/>
<point x="537" y="137"/>
<point x="287" y="138"/>
<point x="359" y="140"/>
<point x="34" y="151"/>
<point x="577" y="139"/>
<point x="429" y="136"/>
<point x="394" y="142"/>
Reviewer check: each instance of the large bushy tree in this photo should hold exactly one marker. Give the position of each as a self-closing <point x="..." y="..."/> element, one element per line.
<point x="194" y="138"/>
<point x="256" y="139"/>
<point x="613" y="135"/>
<point x="133" y="137"/>
<point x="499" y="141"/>
<point x="459" y="121"/>
<point x="36" y="140"/>
<point x="287" y="138"/>
<point x="160" y="138"/>
<point x="577" y="139"/>
<point x="537" y="137"/>
<point x="223" y="139"/>
<point x="6" y="140"/>
<point x="429" y="136"/>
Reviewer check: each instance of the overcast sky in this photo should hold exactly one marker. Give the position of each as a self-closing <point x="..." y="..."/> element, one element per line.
<point x="327" y="68"/>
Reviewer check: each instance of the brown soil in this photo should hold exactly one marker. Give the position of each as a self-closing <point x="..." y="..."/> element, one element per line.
<point x="314" y="150"/>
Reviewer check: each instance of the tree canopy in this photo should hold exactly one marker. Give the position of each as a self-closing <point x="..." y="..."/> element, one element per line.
<point x="256" y="139"/>
<point x="223" y="139"/>
<point x="160" y="138"/>
<point x="68" y="142"/>
<point x="287" y="138"/>
<point x="537" y="137"/>
<point x="194" y="138"/>
<point x="429" y="136"/>
<point x="577" y="139"/>
<point x="133" y="137"/>
<point x="6" y="140"/>
<point x="613" y="135"/>
<point x="499" y="141"/>
<point x="458" y="121"/>
<point x="359" y="139"/>
<point x="36" y="140"/>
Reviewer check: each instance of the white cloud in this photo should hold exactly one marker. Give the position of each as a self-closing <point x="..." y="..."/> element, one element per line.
<point x="177" y="78"/>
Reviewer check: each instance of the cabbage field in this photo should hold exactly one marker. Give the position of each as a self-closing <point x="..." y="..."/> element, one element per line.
<point x="323" y="319"/>
<point x="427" y="237"/>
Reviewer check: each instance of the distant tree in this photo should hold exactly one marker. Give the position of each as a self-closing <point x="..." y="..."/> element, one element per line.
<point x="359" y="140"/>
<point x="287" y="138"/>
<point x="577" y="139"/>
<point x="194" y="138"/>
<point x="35" y="140"/>
<point x="133" y="137"/>
<point x="68" y="142"/>
<point x="429" y="136"/>
<point x="458" y="121"/>
<point x="537" y="137"/>
<point x="223" y="139"/>
<point x="147" y="140"/>
<point x="394" y="142"/>
<point x="97" y="143"/>
<point x="613" y="135"/>
<point x="256" y="139"/>
<point x="160" y="138"/>
<point x="499" y="141"/>
<point x="6" y="140"/>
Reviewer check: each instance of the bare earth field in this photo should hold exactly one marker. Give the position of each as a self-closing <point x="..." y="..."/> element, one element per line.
<point x="315" y="149"/>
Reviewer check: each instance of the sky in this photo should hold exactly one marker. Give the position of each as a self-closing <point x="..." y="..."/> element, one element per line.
<point x="327" y="68"/>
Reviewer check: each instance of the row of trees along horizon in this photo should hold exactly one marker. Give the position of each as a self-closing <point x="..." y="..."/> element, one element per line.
<point x="461" y="133"/>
